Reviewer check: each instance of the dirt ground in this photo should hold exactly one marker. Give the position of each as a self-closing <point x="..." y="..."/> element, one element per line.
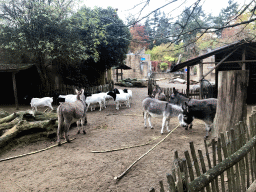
<point x="73" y="167"/>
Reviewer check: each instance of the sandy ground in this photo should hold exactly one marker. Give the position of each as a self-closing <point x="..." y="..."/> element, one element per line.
<point x="73" y="167"/>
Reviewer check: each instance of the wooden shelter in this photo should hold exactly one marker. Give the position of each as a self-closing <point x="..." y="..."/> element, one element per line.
<point x="240" y="55"/>
<point x="17" y="75"/>
<point x="122" y="67"/>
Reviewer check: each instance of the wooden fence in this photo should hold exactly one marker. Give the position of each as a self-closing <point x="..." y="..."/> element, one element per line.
<point x="70" y="89"/>
<point x="168" y="91"/>
<point x="230" y="161"/>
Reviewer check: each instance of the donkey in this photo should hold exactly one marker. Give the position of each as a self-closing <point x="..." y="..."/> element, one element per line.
<point x="155" y="108"/>
<point x="158" y="93"/>
<point x="69" y="113"/>
<point x="204" y="109"/>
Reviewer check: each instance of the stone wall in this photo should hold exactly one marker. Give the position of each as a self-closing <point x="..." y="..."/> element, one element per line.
<point x="140" y="64"/>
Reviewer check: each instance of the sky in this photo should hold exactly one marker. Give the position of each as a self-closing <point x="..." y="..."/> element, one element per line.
<point x="173" y="9"/>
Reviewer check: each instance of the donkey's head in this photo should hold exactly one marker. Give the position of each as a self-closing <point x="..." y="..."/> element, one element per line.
<point x="80" y="95"/>
<point x="187" y="115"/>
<point x="174" y="98"/>
<point x="156" y="90"/>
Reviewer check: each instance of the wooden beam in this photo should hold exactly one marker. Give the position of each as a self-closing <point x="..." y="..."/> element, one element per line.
<point x="15" y="90"/>
<point x="216" y="66"/>
<point x="230" y="62"/>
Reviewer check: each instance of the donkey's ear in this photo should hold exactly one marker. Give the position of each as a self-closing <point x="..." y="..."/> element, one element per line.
<point x="76" y="91"/>
<point x="82" y="90"/>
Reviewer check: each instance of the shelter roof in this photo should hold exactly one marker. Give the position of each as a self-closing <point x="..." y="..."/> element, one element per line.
<point x="122" y="67"/>
<point x="223" y="49"/>
<point x="14" y="67"/>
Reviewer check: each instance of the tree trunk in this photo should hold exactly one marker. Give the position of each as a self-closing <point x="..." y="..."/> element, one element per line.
<point x="232" y="94"/>
<point x="22" y="126"/>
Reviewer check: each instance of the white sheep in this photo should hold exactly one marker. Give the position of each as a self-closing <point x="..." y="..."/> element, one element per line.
<point x="94" y="100"/>
<point x="120" y="98"/>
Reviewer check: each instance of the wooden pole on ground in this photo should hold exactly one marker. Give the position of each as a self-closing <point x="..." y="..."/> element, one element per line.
<point x="232" y="94"/>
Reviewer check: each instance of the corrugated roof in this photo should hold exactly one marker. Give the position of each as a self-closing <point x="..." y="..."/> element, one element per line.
<point x="197" y="60"/>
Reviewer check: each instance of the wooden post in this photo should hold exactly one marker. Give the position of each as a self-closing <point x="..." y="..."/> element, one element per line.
<point x="243" y="59"/>
<point x="116" y="75"/>
<point x="188" y="80"/>
<point x="15" y="90"/>
<point x="201" y="82"/>
<point x="121" y="74"/>
<point x="232" y="94"/>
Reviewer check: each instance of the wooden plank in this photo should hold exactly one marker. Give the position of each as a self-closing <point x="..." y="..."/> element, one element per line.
<point x="220" y="160"/>
<point x="193" y="153"/>
<point x="243" y="134"/>
<point x="236" y="179"/>
<point x="241" y="163"/>
<point x="209" y="163"/>
<point x="185" y="170"/>
<point x="190" y="169"/>
<point x="203" y="167"/>
<point x="161" y="186"/>
<point x="180" y="181"/>
<point x="214" y="163"/>
<point x="171" y="183"/>
<point x="225" y="153"/>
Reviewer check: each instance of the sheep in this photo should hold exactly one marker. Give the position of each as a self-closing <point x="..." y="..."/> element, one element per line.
<point x="129" y="93"/>
<point x="95" y="99"/>
<point x="41" y="102"/>
<point x="118" y="98"/>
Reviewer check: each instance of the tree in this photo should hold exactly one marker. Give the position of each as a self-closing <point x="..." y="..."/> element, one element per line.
<point x="112" y="51"/>
<point x="41" y="32"/>
<point x="139" y="38"/>
<point x="225" y="16"/>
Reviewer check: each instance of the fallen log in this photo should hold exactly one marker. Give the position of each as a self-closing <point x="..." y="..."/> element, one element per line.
<point x="9" y="125"/>
<point x="23" y="125"/>
<point x="8" y="118"/>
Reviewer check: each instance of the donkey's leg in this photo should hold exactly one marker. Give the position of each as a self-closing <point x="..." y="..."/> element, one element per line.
<point x="163" y="124"/>
<point x="78" y="123"/>
<point x="149" y="121"/>
<point x="167" y="124"/>
<point x="83" y="123"/>
<point x="66" y="127"/>
<point x="145" y="118"/>
<point x="59" y="132"/>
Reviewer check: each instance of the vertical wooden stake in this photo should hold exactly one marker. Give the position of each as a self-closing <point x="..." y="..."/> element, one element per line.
<point x="15" y="90"/>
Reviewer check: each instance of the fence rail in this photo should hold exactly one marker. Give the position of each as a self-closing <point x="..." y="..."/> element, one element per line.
<point x="231" y="163"/>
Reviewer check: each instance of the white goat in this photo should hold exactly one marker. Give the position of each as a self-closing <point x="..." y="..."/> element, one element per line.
<point x="41" y="102"/>
<point x="69" y="98"/>
<point x="120" y="98"/>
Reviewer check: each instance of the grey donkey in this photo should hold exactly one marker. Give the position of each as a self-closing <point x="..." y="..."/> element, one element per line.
<point x="155" y="108"/>
<point x="69" y="113"/>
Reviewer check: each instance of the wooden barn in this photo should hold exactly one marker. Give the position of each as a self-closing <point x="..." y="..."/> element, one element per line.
<point x="240" y="55"/>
